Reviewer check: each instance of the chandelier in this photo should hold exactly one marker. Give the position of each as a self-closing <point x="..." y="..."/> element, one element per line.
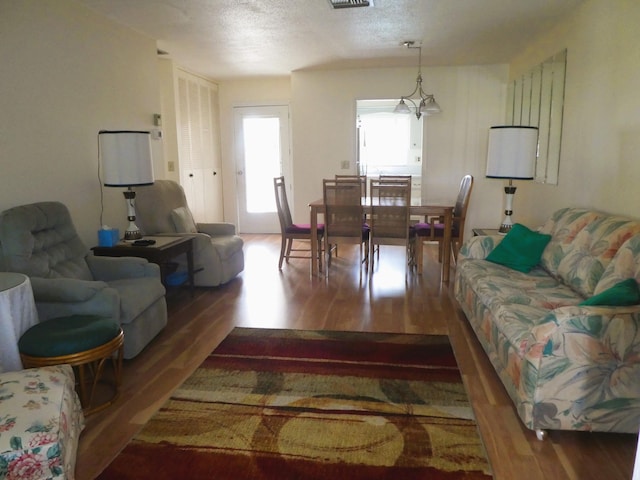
<point x="428" y="104"/>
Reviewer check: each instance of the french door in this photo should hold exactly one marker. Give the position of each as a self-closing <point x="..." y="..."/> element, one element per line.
<point x="262" y="153"/>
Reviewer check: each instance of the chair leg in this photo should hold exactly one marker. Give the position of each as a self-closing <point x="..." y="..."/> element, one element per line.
<point x="289" y="247"/>
<point x="283" y="246"/>
<point x="419" y="254"/>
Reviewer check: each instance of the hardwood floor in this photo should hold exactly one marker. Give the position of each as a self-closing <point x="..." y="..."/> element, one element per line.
<point x="387" y="301"/>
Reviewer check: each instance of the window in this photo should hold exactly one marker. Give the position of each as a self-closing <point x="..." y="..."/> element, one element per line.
<point x="387" y="142"/>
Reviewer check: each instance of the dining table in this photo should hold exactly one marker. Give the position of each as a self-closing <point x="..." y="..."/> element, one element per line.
<point x="317" y="208"/>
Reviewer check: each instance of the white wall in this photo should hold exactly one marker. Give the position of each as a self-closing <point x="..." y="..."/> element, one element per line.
<point x="65" y="74"/>
<point x="600" y="159"/>
<point x="167" y="82"/>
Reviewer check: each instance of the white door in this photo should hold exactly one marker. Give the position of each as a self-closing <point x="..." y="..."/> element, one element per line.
<point x="262" y="153"/>
<point x="199" y="148"/>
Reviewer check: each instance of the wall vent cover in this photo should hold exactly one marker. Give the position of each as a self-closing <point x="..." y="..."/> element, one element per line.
<point x="351" y="3"/>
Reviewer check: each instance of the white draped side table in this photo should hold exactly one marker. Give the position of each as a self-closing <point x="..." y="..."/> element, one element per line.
<point x="17" y="313"/>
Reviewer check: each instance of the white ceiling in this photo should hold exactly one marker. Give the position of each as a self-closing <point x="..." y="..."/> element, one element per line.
<point x="223" y="39"/>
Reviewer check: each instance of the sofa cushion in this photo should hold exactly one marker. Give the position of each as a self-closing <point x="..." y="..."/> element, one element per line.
<point x="625" y="264"/>
<point x="563" y="226"/>
<point x="520" y="250"/>
<point x="623" y="293"/>
<point x="496" y="285"/>
<point x="592" y="250"/>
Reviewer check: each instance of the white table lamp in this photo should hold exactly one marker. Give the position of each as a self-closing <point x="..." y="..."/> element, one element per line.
<point x="126" y="162"/>
<point x="511" y="155"/>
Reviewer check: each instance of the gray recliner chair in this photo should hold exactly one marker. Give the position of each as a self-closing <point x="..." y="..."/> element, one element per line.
<point x="41" y="241"/>
<point x="161" y="209"/>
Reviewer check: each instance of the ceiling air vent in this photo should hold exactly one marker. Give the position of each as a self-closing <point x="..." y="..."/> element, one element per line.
<point x="351" y="3"/>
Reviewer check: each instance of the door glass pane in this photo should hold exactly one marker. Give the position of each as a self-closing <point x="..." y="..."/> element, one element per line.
<point x="262" y="162"/>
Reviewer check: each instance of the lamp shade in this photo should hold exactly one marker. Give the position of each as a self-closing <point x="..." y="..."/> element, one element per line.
<point x="126" y="158"/>
<point x="402" y="107"/>
<point x="512" y="152"/>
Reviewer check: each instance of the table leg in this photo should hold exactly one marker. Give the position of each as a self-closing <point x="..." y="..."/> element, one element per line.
<point x="446" y="245"/>
<point x="314" y="239"/>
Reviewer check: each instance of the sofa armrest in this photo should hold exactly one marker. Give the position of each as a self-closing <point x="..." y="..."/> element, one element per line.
<point x="217" y="229"/>
<point x="478" y="247"/>
<point x="57" y="297"/>
<point x="108" y="269"/>
<point x="582" y="363"/>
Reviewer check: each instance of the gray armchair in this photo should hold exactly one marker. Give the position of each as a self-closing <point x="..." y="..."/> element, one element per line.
<point x="161" y="209"/>
<point x="40" y="241"/>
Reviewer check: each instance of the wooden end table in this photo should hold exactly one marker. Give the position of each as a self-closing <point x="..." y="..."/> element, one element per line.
<point x="160" y="253"/>
<point x="485" y="231"/>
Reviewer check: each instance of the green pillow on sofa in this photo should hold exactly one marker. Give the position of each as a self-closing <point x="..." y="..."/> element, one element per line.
<point x="520" y="249"/>
<point x="622" y="293"/>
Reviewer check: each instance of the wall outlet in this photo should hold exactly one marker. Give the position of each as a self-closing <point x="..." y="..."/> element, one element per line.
<point x="418" y="159"/>
<point x="171" y="166"/>
<point x="345" y="165"/>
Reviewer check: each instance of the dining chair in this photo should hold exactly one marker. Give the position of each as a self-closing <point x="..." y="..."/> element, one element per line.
<point x="390" y="213"/>
<point x="343" y="219"/>
<point x="395" y="177"/>
<point x="359" y="178"/>
<point x="433" y="229"/>
<point x="290" y="231"/>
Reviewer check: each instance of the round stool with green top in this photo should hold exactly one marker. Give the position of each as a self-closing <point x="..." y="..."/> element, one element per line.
<point x="86" y="343"/>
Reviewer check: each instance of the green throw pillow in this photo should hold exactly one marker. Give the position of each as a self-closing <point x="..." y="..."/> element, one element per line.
<point x="623" y="293"/>
<point x="520" y="249"/>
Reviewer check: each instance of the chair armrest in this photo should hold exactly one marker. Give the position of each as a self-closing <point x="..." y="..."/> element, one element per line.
<point x="217" y="229"/>
<point x="114" y="268"/>
<point x="65" y="289"/>
<point x="57" y="297"/>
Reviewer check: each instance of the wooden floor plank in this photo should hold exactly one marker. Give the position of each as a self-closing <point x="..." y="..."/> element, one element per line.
<point x="386" y="301"/>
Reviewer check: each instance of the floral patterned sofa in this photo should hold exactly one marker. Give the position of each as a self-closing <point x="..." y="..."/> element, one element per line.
<point x="40" y="423"/>
<point x="564" y="365"/>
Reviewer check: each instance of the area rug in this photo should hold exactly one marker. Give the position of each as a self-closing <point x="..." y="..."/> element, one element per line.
<point x="273" y="404"/>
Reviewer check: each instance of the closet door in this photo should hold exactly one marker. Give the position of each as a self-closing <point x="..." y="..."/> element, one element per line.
<point x="199" y="146"/>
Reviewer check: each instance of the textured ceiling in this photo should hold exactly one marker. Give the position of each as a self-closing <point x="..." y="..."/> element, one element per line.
<point x="236" y="38"/>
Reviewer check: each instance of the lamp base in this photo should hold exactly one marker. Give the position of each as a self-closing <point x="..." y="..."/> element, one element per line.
<point x="132" y="232"/>
<point x="507" y="223"/>
<point x="504" y="229"/>
<point x="132" y="235"/>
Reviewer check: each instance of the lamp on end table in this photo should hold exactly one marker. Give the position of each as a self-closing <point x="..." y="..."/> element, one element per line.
<point x="511" y="155"/>
<point x="126" y="162"/>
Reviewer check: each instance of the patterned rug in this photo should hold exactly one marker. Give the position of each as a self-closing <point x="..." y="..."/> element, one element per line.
<point x="286" y="404"/>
